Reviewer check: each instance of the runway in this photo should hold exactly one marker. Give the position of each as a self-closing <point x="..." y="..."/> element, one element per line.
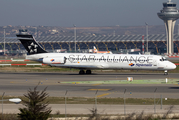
<point x="17" y="84"/>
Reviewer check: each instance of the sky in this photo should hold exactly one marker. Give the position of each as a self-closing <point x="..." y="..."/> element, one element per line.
<point x="82" y="13"/>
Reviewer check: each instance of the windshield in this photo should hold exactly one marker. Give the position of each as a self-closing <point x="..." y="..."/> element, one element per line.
<point x="163" y="59"/>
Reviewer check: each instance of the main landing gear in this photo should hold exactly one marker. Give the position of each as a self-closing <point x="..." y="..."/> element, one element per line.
<point x="81" y="72"/>
<point x="165" y="72"/>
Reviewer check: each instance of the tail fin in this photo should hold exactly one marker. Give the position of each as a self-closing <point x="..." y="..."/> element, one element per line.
<point x="94" y="49"/>
<point x="29" y="43"/>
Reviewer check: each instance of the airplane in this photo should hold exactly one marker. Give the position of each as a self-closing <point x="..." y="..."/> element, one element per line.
<point x="86" y="62"/>
<point x="101" y="52"/>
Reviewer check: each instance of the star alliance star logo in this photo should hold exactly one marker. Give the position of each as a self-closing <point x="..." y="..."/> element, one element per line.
<point x="33" y="47"/>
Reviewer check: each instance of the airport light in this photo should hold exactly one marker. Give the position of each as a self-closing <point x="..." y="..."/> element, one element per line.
<point x="154" y="101"/>
<point x="2" y="102"/>
<point x="147" y="34"/>
<point x="69" y="46"/>
<point x="65" y="103"/>
<point x="75" y="36"/>
<point x="143" y="44"/>
<point x="161" y="101"/>
<point x="4" y="41"/>
<point x="96" y="100"/>
<point x="36" y="32"/>
<point x="124" y="103"/>
<point x="178" y="29"/>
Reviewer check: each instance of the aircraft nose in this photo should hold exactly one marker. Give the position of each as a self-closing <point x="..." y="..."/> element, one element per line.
<point x="172" y="66"/>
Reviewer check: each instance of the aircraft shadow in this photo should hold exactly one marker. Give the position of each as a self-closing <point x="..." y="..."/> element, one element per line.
<point x="76" y="73"/>
<point x="174" y="87"/>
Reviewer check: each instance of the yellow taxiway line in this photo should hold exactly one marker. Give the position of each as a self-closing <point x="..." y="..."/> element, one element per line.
<point x="99" y="89"/>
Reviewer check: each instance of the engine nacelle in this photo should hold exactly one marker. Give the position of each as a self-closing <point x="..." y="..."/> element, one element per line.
<point x="54" y="60"/>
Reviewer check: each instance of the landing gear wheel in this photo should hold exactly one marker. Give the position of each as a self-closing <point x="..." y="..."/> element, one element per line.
<point x="165" y="72"/>
<point x="81" y="72"/>
<point x="88" y="71"/>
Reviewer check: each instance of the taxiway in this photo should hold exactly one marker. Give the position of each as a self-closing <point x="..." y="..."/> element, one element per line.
<point x="16" y="84"/>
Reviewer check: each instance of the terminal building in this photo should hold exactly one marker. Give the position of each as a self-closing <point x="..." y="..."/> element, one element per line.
<point x="157" y="44"/>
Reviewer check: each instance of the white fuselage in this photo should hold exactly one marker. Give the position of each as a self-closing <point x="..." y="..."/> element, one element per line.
<point x="104" y="61"/>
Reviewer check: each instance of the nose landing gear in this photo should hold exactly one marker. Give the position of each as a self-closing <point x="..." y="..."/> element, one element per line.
<point x="165" y="72"/>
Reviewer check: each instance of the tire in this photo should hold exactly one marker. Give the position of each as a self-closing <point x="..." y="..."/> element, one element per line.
<point x="81" y="72"/>
<point x="88" y="71"/>
<point x="166" y="73"/>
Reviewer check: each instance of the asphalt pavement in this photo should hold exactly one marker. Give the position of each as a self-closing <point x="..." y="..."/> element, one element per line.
<point x="16" y="84"/>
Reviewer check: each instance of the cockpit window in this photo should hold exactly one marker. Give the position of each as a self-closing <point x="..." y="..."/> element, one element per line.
<point x="163" y="59"/>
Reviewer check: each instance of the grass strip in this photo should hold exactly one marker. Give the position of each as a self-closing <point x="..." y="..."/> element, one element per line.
<point x="119" y="101"/>
<point x="149" y="81"/>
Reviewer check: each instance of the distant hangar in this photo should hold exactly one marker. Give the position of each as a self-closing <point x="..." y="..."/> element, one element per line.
<point x="157" y="43"/>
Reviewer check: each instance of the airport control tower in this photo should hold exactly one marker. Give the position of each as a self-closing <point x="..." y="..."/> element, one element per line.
<point x="169" y="15"/>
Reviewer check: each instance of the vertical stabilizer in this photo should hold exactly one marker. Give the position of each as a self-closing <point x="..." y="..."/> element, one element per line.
<point x="94" y="49"/>
<point x="29" y="43"/>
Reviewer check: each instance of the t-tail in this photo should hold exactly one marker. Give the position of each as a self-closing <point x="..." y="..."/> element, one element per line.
<point x="29" y="43"/>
